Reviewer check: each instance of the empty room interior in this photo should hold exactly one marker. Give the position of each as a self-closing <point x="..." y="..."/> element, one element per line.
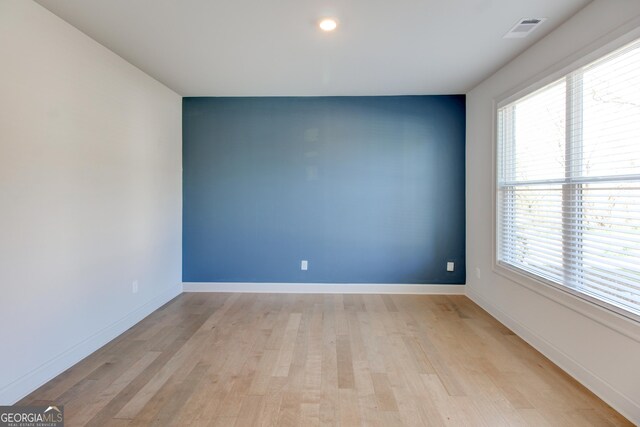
<point x="298" y="213"/>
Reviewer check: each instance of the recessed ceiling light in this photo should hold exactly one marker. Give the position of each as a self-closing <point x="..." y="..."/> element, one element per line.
<point x="328" y="24"/>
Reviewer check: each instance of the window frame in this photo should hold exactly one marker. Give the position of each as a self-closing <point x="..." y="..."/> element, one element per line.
<point x="623" y="321"/>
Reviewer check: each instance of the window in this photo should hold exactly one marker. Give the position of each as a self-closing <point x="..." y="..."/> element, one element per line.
<point x="568" y="182"/>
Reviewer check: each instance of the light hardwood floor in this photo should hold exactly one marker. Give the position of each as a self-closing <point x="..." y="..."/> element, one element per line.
<point x="275" y="359"/>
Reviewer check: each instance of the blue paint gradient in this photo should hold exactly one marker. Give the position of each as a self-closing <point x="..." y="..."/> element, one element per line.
<point x="367" y="189"/>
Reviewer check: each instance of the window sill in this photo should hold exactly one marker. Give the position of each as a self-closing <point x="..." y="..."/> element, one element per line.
<point x="627" y="324"/>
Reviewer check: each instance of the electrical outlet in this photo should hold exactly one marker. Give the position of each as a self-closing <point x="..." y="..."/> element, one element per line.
<point x="134" y="287"/>
<point x="304" y="265"/>
<point x="478" y="272"/>
<point x="450" y="266"/>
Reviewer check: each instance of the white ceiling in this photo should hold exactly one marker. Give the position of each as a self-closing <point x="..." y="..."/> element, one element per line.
<point x="273" y="47"/>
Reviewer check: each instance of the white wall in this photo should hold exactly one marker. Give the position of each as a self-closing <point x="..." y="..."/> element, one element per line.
<point x="600" y="349"/>
<point x="90" y="196"/>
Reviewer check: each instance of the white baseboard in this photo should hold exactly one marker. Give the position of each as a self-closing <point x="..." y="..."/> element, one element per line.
<point x="16" y="390"/>
<point x="323" y="288"/>
<point x="621" y="403"/>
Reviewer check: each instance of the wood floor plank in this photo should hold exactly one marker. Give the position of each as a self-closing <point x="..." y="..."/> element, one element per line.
<point x="288" y="342"/>
<point x="312" y="360"/>
<point x="384" y="394"/>
<point x="344" y="362"/>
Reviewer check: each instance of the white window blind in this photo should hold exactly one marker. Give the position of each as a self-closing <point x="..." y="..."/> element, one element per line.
<point x="568" y="182"/>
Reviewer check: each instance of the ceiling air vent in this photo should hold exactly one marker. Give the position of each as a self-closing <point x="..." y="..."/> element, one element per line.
<point x="524" y="27"/>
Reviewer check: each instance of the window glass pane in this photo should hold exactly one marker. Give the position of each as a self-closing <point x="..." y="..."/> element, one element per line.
<point x="532" y="236"/>
<point x="611" y="122"/>
<point x="610" y="241"/>
<point x="539" y="129"/>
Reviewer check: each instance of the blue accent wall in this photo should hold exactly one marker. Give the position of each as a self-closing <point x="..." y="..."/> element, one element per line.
<point x="367" y="189"/>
